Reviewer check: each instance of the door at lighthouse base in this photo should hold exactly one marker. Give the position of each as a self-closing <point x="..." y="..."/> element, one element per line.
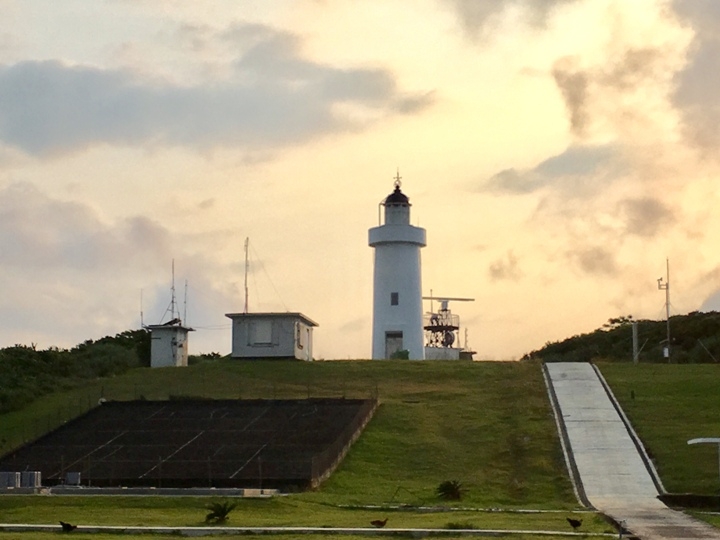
<point x="393" y="343"/>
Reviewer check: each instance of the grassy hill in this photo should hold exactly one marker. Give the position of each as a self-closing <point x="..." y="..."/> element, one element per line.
<point x="488" y="425"/>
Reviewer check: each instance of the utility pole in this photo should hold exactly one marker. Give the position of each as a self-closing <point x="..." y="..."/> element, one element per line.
<point x="666" y="287"/>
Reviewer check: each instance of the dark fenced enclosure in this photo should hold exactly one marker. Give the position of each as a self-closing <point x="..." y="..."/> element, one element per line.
<point x="287" y="444"/>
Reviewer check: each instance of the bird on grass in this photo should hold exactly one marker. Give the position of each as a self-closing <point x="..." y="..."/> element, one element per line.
<point x="574" y="523"/>
<point x="378" y="522"/>
<point x="67" y="527"/>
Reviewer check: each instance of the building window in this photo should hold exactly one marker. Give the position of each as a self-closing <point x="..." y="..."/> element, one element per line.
<point x="261" y="333"/>
<point x="394" y="298"/>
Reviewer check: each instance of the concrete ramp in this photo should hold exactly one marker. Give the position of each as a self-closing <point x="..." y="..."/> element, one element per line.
<point x="609" y="466"/>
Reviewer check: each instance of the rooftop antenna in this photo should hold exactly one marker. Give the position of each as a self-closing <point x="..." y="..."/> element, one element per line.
<point x="247" y="243"/>
<point x="172" y="289"/>
<point x="185" y="303"/>
<point x="666" y="287"/>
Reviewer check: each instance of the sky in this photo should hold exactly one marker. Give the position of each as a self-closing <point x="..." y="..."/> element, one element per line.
<point x="558" y="152"/>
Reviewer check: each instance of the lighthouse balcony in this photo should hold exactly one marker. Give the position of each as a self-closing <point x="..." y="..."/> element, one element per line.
<point x="391" y="234"/>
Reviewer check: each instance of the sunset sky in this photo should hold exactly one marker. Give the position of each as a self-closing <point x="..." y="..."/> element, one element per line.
<point x="556" y="151"/>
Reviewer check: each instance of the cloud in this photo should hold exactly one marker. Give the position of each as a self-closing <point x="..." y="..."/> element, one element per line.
<point x="645" y="216"/>
<point x="571" y="171"/>
<point x="37" y="233"/>
<point x="596" y="260"/>
<point x="697" y="84"/>
<point x="68" y="275"/>
<point x="573" y="85"/>
<point x="605" y="95"/>
<point x="269" y="95"/>
<point x="505" y="268"/>
<point x="476" y="15"/>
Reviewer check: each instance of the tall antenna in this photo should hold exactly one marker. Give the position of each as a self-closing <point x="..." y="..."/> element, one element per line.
<point x="666" y="287"/>
<point x="185" y="305"/>
<point x="172" y="289"/>
<point x="142" y="323"/>
<point x="247" y="243"/>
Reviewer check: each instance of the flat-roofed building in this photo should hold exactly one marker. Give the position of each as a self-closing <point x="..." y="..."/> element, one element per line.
<point x="169" y="344"/>
<point x="272" y="335"/>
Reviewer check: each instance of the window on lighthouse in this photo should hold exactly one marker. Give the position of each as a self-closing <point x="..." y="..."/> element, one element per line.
<point x="394" y="298"/>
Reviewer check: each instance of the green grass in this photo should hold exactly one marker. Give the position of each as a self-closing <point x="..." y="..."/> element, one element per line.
<point x="488" y="425"/>
<point x="672" y="404"/>
<point x="292" y="511"/>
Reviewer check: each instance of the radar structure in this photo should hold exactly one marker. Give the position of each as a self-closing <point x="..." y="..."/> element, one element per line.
<point x="442" y="327"/>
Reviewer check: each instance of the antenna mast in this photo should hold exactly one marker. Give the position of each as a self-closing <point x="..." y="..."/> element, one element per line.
<point x="142" y="324"/>
<point x="185" y="304"/>
<point x="666" y="287"/>
<point x="247" y="243"/>
<point x="172" y="289"/>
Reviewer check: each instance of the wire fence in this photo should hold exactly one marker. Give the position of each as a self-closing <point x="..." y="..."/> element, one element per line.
<point x="214" y="443"/>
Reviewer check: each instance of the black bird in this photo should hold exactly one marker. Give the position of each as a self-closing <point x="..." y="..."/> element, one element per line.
<point x="67" y="527"/>
<point x="378" y="522"/>
<point x="574" y="523"/>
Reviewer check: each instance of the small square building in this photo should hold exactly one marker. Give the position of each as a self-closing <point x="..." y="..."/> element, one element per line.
<point x="169" y="344"/>
<point x="272" y="335"/>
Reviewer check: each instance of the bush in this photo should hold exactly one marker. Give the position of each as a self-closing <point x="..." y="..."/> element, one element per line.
<point x="450" y="490"/>
<point x="27" y="373"/>
<point x="219" y="511"/>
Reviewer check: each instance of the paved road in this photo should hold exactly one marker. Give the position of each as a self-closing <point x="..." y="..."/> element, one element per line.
<point x="612" y="473"/>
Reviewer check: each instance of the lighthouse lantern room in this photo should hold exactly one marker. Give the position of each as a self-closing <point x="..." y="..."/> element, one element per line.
<point x="397" y="287"/>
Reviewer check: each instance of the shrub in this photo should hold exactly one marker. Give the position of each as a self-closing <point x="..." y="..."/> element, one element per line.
<point x="219" y="511"/>
<point x="450" y="490"/>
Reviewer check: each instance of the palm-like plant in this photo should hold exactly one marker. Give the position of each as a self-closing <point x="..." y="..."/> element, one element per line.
<point x="450" y="490"/>
<point x="219" y="511"/>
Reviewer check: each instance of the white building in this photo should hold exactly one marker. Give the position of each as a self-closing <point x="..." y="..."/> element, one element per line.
<point x="397" y="287"/>
<point x="169" y="344"/>
<point x="272" y="335"/>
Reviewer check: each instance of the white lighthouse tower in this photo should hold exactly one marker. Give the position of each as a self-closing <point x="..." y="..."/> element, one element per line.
<point x="397" y="296"/>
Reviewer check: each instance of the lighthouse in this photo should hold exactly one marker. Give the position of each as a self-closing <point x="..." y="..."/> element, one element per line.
<point x="397" y="287"/>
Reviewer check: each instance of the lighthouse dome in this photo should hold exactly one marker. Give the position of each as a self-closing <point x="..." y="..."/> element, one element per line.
<point x="397" y="197"/>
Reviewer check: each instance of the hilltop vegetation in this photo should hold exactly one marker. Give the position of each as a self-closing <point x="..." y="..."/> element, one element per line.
<point x="27" y="373"/>
<point x="694" y="338"/>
